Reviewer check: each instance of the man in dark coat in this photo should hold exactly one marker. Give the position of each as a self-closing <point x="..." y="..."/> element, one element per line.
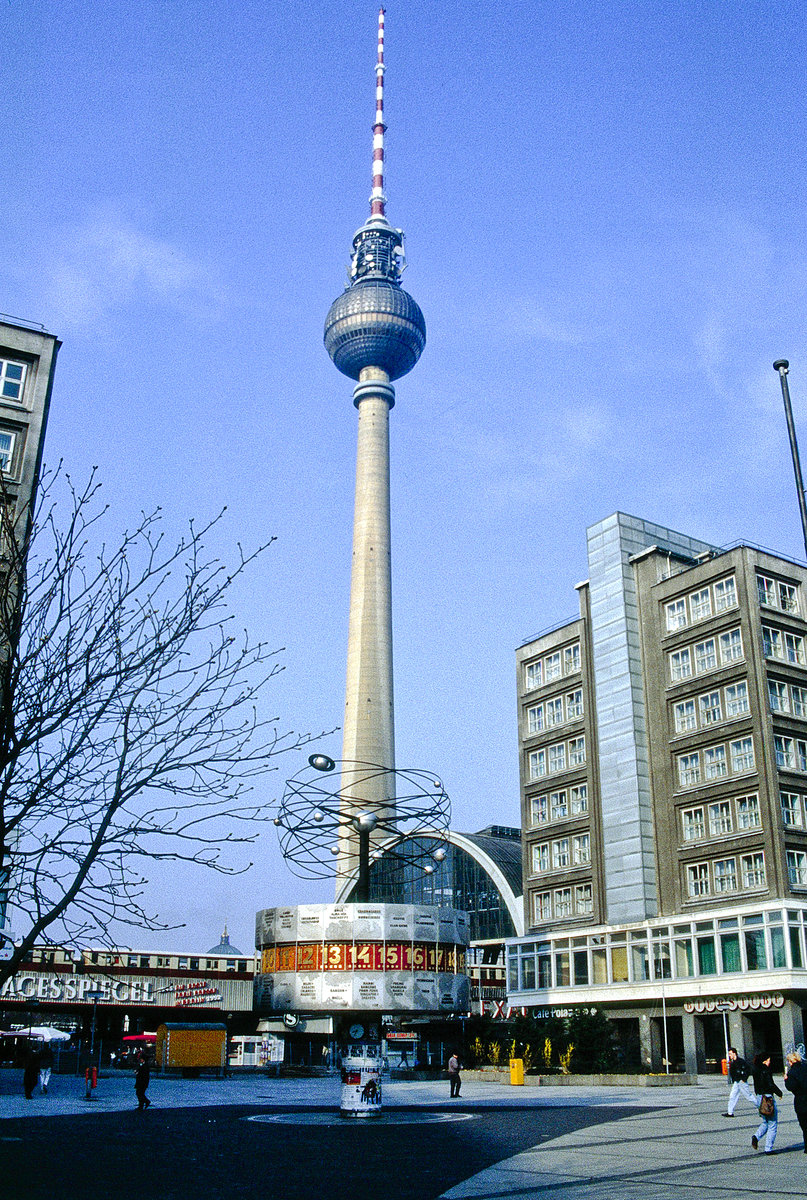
<point x="796" y="1082"/>
<point x="30" y="1074"/>
<point x="738" y="1071"/>
<point x="142" y="1080"/>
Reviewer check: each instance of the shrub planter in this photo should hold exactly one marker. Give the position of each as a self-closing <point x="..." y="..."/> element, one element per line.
<point x="502" y="1075"/>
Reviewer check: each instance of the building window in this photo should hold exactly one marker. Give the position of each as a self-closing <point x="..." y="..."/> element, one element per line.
<point x="537" y="764"/>
<point x="676" y="615"/>
<point x="753" y="869"/>
<point x="583" y="899"/>
<point x="772" y="644"/>
<point x="725" y="594"/>
<point x="737" y="699"/>
<point x="577" y="752"/>
<point x="680" y="665"/>
<point x="794" y="648"/>
<point x="581" y="849"/>
<point x="6" y="450"/>
<point x="700" y="605"/>
<point x="714" y="762"/>
<point x="574" y="705"/>
<point x="540" y="858"/>
<point x="785" y="750"/>
<point x="12" y="379"/>
<point x="541" y="906"/>
<point x="563" y="902"/>
<point x="788" y="598"/>
<point x="539" y="810"/>
<point x="698" y="879"/>
<point x="797" y="867"/>
<point x="533" y="676"/>
<point x="748" y="815"/>
<point x="560" y="854"/>
<point x="720" y="818"/>
<point x="554" y="712"/>
<point x="692" y="820"/>
<point x="689" y="769"/>
<point x="799" y="698"/>
<point x="535" y="718"/>
<point x="774" y="593"/>
<point x="557" y="758"/>
<point x="725" y="874"/>
<point x="684" y="714"/>
<point x="742" y="756"/>
<point x="579" y="799"/>
<point x="559" y="806"/>
<point x="705" y="656"/>
<point x="731" y="646"/>
<point x="792" y="809"/>
<point x="711" y="712"/>
<point x="778" y="697"/>
<point x="571" y="658"/>
<point x="552" y="667"/>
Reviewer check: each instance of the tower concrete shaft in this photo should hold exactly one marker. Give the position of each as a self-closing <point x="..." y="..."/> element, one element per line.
<point x="369" y="725"/>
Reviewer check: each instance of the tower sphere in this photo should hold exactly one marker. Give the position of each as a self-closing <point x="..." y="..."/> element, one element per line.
<point x="375" y="323"/>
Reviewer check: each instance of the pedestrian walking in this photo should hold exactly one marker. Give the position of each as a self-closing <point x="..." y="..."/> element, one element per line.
<point x="796" y="1082"/>
<point x="454" y="1077"/>
<point x="142" y="1080"/>
<point x="30" y="1073"/>
<point x="765" y="1090"/>
<point x="45" y="1067"/>
<point x="738" y="1074"/>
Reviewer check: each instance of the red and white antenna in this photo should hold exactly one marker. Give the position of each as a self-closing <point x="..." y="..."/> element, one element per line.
<point x="377" y="198"/>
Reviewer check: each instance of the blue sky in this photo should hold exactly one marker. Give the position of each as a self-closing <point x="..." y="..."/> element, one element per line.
<point x="604" y="207"/>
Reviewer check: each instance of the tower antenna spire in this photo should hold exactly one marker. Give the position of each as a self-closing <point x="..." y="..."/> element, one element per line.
<point x="378" y="200"/>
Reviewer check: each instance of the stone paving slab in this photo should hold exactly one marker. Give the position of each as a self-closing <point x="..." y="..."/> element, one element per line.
<point x="115" y="1093"/>
<point x="668" y="1154"/>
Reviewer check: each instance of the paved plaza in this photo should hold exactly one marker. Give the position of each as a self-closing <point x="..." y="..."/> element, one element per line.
<point x="228" y="1138"/>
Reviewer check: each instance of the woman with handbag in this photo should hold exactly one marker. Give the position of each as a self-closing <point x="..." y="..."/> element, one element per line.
<point x="765" y="1090"/>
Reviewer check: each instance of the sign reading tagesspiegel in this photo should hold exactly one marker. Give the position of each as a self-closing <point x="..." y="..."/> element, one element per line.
<point x="360" y="957"/>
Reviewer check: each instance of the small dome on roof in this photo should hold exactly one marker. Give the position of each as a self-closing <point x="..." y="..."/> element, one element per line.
<point x="224" y="949"/>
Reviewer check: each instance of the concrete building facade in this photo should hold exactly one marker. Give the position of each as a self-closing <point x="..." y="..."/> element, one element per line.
<point x="663" y="746"/>
<point x="27" y="364"/>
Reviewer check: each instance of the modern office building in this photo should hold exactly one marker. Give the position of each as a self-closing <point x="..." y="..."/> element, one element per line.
<point x="663" y="746"/>
<point x="27" y="364"/>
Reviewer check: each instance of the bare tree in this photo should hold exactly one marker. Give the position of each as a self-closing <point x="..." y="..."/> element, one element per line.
<point x="130" y="715"/>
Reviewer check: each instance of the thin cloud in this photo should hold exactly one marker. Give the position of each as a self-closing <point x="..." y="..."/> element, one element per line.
<point x="108" y="264"/>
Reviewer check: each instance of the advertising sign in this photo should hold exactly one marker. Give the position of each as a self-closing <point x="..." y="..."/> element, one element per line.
<point x="361" y="1088"/>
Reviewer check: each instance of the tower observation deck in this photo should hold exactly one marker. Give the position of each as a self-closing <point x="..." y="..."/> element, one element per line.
<point x="375" y="333"/>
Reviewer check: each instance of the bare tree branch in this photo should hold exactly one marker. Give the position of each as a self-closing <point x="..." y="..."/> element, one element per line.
<point x="132" y="714"/>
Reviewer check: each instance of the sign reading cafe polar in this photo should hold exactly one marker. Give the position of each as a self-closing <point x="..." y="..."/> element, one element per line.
<point x="362" y="957"/>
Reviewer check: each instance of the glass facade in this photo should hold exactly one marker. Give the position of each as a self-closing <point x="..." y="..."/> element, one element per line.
<point x="458" y="882"/>
<point x="738" y="944"/>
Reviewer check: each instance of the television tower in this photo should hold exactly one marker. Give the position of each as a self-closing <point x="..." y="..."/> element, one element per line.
<point x="375" y="333"/>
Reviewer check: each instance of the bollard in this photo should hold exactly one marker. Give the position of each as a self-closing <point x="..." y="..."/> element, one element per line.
<point x="517" y="1071"/>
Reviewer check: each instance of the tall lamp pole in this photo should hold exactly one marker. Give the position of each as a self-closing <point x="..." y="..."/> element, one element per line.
<point x="781" y="365"/>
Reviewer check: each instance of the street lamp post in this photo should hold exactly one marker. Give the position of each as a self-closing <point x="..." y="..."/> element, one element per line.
<point x="782" y="366"/>
<point x="95" y="995"/>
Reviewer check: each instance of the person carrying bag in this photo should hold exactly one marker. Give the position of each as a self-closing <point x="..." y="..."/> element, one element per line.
<point x="765" y="1089"/>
